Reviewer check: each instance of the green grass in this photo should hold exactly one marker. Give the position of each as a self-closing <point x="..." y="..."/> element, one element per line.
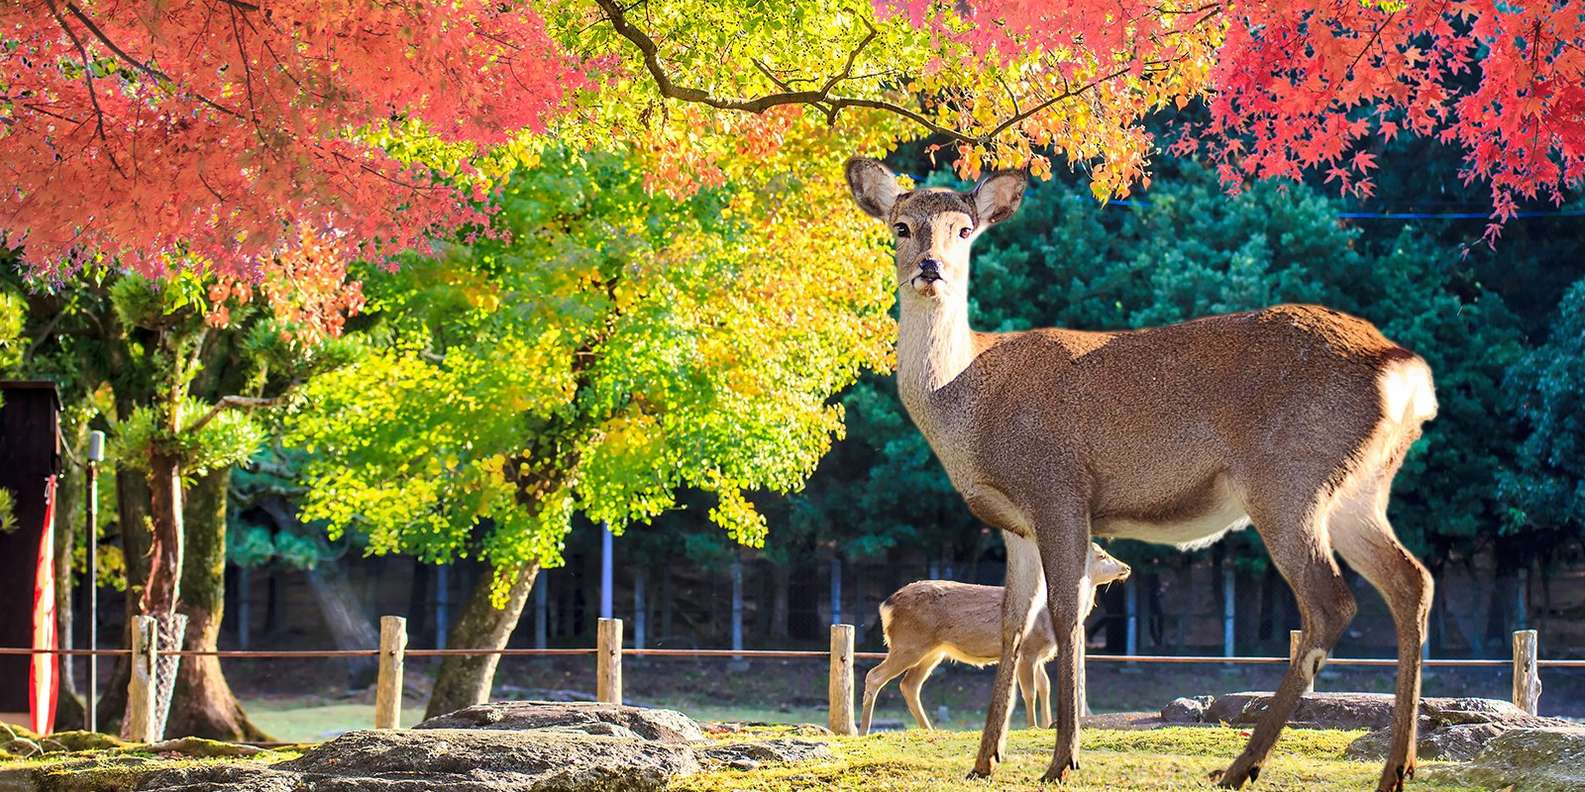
<point x="1178" y="758"/>
<point x="1163" y="759"/>
<point x="108" y="770"/>
<point x="293" y="720"/>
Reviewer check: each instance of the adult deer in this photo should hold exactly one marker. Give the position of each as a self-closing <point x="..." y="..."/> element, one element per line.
<point x="1295" y="418"/>
<point x="928" y="621"/>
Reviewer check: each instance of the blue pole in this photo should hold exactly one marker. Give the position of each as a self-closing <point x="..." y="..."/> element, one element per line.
<point x="605" y="571"/>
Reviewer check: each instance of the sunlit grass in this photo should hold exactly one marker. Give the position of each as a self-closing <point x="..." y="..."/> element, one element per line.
<point x="1163" y="759"/>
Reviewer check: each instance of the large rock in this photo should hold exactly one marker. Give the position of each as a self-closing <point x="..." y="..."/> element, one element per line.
<point x="586" y="716"/>
<point x="1526" y="760"/>
<point x="1458" y="742"/>
<point x="1369" y="711"/>
<point x="1186" y="710"/>
<point x="454" y="760"/>
<point x="520" y="746"/>
<point x="1451" y="729"/>
<point x="1318" y="710"/>
<point x="779" y="750"/>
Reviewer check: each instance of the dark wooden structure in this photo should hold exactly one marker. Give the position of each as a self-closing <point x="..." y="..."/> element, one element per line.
<point x="30" y="452"/>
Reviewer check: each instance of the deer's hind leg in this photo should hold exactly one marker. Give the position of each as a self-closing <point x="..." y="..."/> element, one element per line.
<point x="1294" y="531"/>
<point x="1027" y="687"/>
<point x="1365" y="539"/>
<point x="1043" y="693"/>
<point x="913" y="680"/>
<point x="897" y="662"/>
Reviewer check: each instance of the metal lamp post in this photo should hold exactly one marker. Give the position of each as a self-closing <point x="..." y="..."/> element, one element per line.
<point x="96" y="454"/>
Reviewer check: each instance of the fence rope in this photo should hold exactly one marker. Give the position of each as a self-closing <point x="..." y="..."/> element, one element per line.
<point x="762" y="654"/>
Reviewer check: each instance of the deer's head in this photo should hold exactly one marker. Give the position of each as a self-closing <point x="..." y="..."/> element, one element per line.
<point x="934" y="227"/>
<point x="1102" y="568"/>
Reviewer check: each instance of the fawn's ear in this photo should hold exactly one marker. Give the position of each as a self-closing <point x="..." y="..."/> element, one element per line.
<point x="998" y="195"/>
<point x="874" y="187"/>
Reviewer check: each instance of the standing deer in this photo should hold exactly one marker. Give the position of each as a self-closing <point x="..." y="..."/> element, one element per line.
<point x="1295" y="418"/>
<point x="927" y="621"/>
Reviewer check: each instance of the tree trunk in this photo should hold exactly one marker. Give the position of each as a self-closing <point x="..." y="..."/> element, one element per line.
<point x="640" y="607"/>
<point x="736" y="571"/>
<point x="542" y="613"/>
<point x="163" y="589"/>
<point x="667" y="603"/>
<point x="465" y="681"/>
<point x="781" y="588"/>
<point x="132" y="514"/>
<point x="203" y="704"/>
<point x="418" y="603"/>
<point x="69" y="712"/>
<point x="350" y="626"/>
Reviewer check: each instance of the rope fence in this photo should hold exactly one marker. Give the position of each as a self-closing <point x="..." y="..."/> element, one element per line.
<point x="758" y="654"/>
<point x="609" y="652"/>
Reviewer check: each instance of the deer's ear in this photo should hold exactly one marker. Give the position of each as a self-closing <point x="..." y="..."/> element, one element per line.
<point x="998" y="195"/>
<point x="874" y="187"/>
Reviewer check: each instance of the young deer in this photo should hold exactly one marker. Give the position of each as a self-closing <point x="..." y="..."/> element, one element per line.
<point x="931" y="620"/>
<point x="1295" y="418"/>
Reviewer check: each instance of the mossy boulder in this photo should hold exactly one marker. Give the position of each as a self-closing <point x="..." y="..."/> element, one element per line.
<point x="590" y="717"/>
<point x="455" y="760"/>
<point x="1526" y="760"/>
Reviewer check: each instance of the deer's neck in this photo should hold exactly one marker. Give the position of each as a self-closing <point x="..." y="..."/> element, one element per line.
<point x="934" y="343"/>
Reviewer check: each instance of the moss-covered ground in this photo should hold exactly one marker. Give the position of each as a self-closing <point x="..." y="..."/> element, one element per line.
<point x="1179" y="758"/>
<point x="1158" y="760"/>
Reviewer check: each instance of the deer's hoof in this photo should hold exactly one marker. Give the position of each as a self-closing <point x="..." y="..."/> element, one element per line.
<point x="1059" y="771"/>
<point x="1234" y="778"/>
<point x="1393" y="780"/>
<point x="983" y="769"/>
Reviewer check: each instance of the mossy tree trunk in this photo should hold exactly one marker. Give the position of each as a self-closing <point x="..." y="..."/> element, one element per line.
<point x="203" y="704"/>
<point x="465" y="681"/>
<point x="132" y="516"/>
<point x="69" y="712"/>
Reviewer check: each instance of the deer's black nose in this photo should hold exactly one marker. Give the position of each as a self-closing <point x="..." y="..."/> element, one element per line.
<point x="930" y="269"/>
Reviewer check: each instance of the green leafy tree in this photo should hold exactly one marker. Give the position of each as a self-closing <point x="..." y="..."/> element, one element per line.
<point x="600" y="348"/>
<point x="1546" y="486"/>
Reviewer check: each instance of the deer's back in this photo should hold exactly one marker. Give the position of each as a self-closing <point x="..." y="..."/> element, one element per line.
<point x="963" y="619"/>
<point x="1169" y="427"/>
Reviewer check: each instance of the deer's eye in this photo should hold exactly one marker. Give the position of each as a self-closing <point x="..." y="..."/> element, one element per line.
<point x="965" y="231"/>
<point x="902" y="230"/>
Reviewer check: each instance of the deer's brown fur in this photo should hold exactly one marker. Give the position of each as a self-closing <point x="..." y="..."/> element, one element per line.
<point x="1295" y="418"/>
<point x="928" y="621"/>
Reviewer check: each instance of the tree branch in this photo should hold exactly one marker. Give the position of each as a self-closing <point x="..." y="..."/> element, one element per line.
<point x="93" y="93"/>
<point x="140" y="65"/>
<point x="820" y="99"/>
<point x="241" y="403"/>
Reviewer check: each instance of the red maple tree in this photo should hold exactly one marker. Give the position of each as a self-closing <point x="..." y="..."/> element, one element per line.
<point x="228" y="128"/>
<point x="1304" y="85"/>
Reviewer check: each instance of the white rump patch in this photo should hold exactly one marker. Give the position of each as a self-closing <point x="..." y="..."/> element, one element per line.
<point x="1407" y="395"/>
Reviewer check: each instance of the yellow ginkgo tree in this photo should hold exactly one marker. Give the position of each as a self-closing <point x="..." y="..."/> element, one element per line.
<point x="602" y="346"/>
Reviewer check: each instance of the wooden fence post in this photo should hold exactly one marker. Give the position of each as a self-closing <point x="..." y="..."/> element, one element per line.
<point x="1526" y="675"/>
<point x="388" y="687"/>
<point x="1295" y="637"/>
<point x="608" y="663"/>
<point x="139" y="724"/>
<point x="841" y="686"/>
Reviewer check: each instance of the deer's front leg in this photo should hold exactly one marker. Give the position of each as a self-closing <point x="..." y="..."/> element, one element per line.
<point x="1023" y="593"/>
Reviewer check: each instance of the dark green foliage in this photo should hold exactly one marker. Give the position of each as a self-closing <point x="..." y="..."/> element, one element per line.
<point x="1546" y="488"/>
